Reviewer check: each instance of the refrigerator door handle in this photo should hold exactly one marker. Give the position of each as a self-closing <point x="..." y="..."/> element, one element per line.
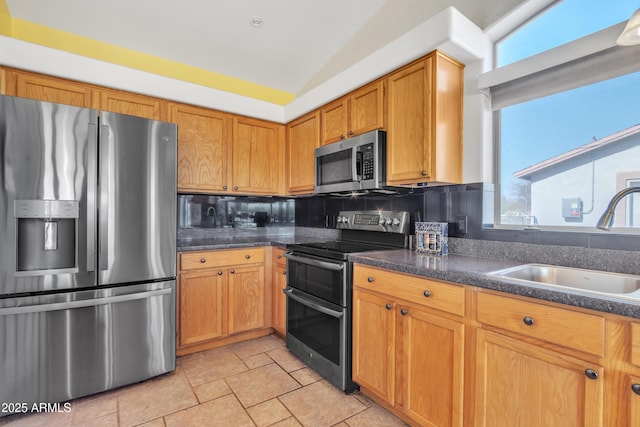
<point x="104" y="196"/>
<point x="9" y="311"/>
<point x="91" y="197"/>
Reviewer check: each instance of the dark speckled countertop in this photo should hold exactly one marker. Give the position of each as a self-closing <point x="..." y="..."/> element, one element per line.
<point x="469" y="270"/>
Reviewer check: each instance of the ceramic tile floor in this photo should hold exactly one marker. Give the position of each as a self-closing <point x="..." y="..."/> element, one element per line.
<point x="252" y="383"/>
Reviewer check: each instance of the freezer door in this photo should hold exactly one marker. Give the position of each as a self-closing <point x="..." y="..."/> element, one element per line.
<point x="48" y="155"/>
<point x="63" y="346"/>
<point x="138" y="191"/>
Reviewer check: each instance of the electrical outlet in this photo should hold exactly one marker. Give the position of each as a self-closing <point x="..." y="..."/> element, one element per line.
<point x="461" y="224"/>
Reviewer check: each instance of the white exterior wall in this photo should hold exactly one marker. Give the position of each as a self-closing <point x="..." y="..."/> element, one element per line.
<point x="547" y="191"/>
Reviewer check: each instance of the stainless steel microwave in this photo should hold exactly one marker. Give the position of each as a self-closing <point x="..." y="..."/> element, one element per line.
<point x="351" y="165"/>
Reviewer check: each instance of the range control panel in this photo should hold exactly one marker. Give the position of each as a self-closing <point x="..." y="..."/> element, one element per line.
<point x="386" y="221"/>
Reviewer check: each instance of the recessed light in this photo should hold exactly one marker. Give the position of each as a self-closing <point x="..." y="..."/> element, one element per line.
<point x="256" y="22"/>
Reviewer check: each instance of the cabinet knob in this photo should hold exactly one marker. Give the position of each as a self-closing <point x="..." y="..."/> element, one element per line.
<point x="279" y="256"/>
<point x="232" y="271"/>
<point x="528" y="321"/>
<point x="235" y="188"/>
<point x="350" y="132"/>
<point x="219" y="273"/>
<point x="426" y="294"/>
<point x="224" y="187"/>
<point x="635" y="388"/>
<point x="284" y="272"/>
<point x="203" y="260"/>
<point x="247" y="256"/>
<point x="342" y="136"/>
<point x="370" y="279"/>
<point x="388" y="306"/>
<point x="404" y="311"/>
<point x="424" y="173"/>
<point x="591" y="374"/>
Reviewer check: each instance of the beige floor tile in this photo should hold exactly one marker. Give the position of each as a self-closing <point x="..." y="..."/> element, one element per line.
<point x="286" y="359"/>
<point x="306" y="376"/>
<point x="155" y="398"/>
<point x="375" y="416"/>
<point x="366" y="401"/>
<point x="109" y="420"/>
<point x="44" y="419"/>
<point x="94" y="407"/>
<point x="289" y="422"/>
<point x="257" y="360"/>
<point x="158" y="422"/>
<point x="261" y="384"/>
<point x="212" y="390"/>
<point x="252" y="347"/>
<point x="321" y="404"/>
<point x="225" y="411"/>
<point x="217" y="364"/>
<point x="341" y="424"/>
<point x="269" y="412"/>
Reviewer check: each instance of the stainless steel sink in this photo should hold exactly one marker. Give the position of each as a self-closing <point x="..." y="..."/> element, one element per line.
<point x="600" y="282"/>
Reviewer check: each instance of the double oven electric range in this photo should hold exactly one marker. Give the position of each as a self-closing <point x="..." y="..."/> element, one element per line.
<point x="320" y="287"/>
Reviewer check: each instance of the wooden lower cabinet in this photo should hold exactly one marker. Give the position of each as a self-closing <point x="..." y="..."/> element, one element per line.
<point x="279" y="282"/>
<point x="405" y="353"/>
<point x="218" y="301"/>
<point x="521" y="384"/>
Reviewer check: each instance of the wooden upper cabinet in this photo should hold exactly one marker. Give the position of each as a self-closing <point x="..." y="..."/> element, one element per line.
<point x="359" y="112"/>
<point x="424" y="139"/>
<point x="46" y="88"/>
<point x="303" y="137"/>
<point x="256" y="156"/>
<point x="133" y="104"/>
<point x="366" y="108"/>
<point x="204" y="148"/>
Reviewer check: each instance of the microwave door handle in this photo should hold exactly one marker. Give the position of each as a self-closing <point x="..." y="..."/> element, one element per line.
<point x="354" y="165"/>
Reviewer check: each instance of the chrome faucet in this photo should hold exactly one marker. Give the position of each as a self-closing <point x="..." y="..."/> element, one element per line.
<point x="606" y="220"/>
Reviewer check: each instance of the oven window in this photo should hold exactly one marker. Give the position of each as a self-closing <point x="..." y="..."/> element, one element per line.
<point x="317" y="281"/>
<point x="335" y="168"/>
<point x="318" y="331"/>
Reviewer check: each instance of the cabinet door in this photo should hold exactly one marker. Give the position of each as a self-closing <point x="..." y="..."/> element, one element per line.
<point x="632" y="391"/>
<point x="279" y="299"/>
<point x="133" y="104"/>
<point x="203" y="148"/>
<point x="246" y="298"/>
<point x="525" y="385"/>
<point x="366" y="109"/>
<point x="45" y="88"/>
<point x="374" y="337"/>
<point x="201" y="306"/>
<point x="410" y="123"/>
<point x="334" y="121"/>
<point x="256" y="156"/>
<point x="433" y="366"/>
<point x="303" y="137"/>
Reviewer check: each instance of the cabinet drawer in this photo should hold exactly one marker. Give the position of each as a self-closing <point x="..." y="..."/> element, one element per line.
<point x="278" y="257"/>
<point x="579" y="331"/>
<point x="429" y="293"/>
<point x="221" y="258"/>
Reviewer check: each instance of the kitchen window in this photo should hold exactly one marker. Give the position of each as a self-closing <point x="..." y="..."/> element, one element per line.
<point x="566" y="125"/>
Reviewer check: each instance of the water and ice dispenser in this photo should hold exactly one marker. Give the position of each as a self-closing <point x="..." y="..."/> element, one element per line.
<point x="46" y="236"/>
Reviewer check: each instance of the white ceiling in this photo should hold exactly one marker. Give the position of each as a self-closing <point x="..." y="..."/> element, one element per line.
<point x="301" y="44"/>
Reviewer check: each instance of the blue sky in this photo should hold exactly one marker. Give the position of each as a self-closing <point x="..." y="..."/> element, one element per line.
<point x="558" y="123"/>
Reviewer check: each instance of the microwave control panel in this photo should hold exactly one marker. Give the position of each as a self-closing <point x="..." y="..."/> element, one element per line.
<point x="366" y="151"/>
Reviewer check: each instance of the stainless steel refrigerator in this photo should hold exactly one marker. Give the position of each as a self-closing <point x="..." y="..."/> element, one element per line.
<point x="87" y="250"/>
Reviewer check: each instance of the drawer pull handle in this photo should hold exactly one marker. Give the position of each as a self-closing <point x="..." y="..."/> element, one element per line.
<point x="635" y="388"/>
<point x="388" y="306"/>
<point x="219" y="273"/>
<point x="370" y="279"/>
<point x="528" y="321"/>
<point x="404" y="311"/>
<point x="232" y="272"/>
<point x="203" y="260"/>
<point x="247" y="256"/>
<point x="591" y="374"/>
<point x="426" y="294"/>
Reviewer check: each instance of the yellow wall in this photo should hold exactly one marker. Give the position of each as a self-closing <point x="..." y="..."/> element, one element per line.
<point x="60" y="40"/>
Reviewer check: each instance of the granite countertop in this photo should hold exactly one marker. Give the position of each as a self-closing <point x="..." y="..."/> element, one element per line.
<point x="469" y="270"/>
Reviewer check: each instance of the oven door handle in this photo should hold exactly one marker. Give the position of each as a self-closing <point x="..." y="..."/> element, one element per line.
<point x="315" y="262"/>
<point x="290" y="294"/>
